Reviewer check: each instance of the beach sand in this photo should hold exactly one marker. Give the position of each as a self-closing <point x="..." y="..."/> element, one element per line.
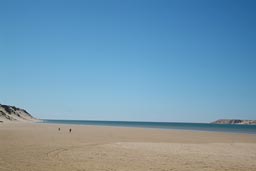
<point x="41" y="147"/>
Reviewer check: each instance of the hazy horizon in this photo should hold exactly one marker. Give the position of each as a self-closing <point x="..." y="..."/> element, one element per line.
<point x="138" y="60"/>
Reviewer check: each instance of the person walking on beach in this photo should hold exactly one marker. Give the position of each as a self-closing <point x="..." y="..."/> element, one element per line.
<point x="59" y="129"/>
<point x="70" y="130"/>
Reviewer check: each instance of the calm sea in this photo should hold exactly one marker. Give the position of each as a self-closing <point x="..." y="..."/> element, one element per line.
<point x="249" y="129"/>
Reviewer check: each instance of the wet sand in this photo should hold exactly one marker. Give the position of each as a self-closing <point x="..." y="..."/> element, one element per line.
<point x="41" y="147"/>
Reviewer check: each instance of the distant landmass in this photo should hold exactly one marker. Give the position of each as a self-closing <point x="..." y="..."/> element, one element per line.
<point x="235" y="121"/>
<point x="12" y="113"/>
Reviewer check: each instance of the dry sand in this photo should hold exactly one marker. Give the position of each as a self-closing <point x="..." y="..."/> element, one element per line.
<point x="41" y="147"/>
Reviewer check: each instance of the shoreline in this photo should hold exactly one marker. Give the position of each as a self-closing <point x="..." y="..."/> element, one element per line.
<point x="214" y="134"/>
<point x="161" y="127"/>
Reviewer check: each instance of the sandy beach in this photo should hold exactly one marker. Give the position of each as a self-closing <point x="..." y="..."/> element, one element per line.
<point x="41" y="147"/>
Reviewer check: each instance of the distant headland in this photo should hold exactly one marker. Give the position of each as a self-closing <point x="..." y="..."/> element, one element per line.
<point x="12" y="113"/>
<point x="235" y="121"/>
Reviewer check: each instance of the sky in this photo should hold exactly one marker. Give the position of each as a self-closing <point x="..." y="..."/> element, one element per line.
<point x="133" y="60"/>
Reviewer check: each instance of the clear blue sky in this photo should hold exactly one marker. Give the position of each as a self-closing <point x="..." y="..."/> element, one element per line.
<point x="159" y="60"/>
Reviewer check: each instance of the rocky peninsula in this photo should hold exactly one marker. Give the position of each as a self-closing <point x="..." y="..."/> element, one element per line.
<point x="235" y="121"/>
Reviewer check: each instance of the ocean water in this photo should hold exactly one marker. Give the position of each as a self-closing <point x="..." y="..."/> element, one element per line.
<point x="248" y="129"/>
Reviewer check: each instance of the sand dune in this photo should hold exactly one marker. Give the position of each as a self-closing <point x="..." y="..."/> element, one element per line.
<point x="41" y="147"/>
<point x="12" y="113"/>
